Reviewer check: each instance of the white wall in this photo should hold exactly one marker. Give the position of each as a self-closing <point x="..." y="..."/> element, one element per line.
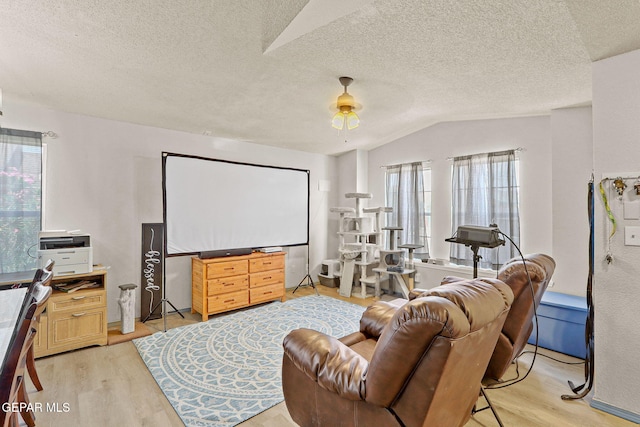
<point x="444" y="140"/>
<point x="616" y="134"/>
<point x="572" y="165"/>
<point x="352" y="173"/>
<point x="104" y="177"/>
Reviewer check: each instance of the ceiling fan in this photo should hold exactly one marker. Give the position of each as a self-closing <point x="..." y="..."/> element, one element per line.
<point x="346" y="106"/>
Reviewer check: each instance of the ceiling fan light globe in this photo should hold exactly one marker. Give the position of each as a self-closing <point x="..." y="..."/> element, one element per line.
<point x="353" y="121"/>
<point x="338" y="121"/>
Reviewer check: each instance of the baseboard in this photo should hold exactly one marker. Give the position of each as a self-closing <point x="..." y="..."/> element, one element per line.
<point x="116" y="324"/>
<point x="613" y="410"/>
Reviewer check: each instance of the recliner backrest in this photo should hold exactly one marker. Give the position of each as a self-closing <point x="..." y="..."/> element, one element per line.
<point x="519" y="324"/>
<point x="433" y="352"/>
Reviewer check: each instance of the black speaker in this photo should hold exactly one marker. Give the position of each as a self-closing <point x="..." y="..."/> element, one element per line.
<point x="225" y="252"/>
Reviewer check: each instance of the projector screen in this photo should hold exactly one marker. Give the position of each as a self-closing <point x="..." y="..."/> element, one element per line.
<point x="212" y="204"/>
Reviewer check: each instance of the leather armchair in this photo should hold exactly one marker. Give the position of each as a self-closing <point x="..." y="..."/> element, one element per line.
<point x="519" y="324"/>
<point x="416" y="364"/>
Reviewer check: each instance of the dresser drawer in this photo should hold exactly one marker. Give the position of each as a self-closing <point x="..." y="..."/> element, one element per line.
<point x="266" y="278"/>
<point x="227" y="284"/>
<point x="266" y="263"/>
<point x="266" y="293"/>
<point x="229" y="301"/>
<point x="228" y="268"/>
<point x="68" y="329"/>
<point x="79" y="300"/>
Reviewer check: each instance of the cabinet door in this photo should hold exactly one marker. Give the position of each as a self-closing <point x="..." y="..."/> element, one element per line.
<point x="40" y="341"/>
<point x="73" y="328"/>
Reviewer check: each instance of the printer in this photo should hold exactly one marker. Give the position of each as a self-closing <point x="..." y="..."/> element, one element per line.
<point x="71" y="252"/>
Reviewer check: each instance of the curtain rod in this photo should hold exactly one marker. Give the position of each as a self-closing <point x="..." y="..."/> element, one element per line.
<point x="408" y="163"/>
<point x="51" y="134"/>
<point x="19" y="132"/>
<point x="480" y="154"/>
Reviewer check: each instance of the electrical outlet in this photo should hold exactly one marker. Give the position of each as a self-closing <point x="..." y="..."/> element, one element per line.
<point x="632" y="236"/>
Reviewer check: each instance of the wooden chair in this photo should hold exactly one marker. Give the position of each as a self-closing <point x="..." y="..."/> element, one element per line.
<point x="44" y="277"/>
<point x="20" y="352"/>
<point x="11" y="376"/>
<point x="40" y="296"/>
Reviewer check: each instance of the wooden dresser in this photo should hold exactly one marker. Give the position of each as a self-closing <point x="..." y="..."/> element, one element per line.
<point x="228" y="283"/>
<point x="74" y="320"/>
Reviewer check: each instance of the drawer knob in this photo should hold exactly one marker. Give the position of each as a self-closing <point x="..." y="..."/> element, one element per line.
<point x="230" y="300"/>
<point x="79" y="314"/>
<point x="79" y="297"/>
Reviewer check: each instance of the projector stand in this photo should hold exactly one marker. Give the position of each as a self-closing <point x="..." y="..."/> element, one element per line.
<point x="163" y="301"/>
<point x="307" y="278"/>
<point x="476" y="260"/>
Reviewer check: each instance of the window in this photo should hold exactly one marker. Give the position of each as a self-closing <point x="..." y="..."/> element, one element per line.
<point x="20" y="198"/>
<point x="485" y="191"/>
<point x="408" y="192"/>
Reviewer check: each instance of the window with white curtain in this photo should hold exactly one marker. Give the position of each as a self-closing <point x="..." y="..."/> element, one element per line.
<point x="408" y="192"/>
<point x="485" y="191"/>
<point x="20" y="198"/>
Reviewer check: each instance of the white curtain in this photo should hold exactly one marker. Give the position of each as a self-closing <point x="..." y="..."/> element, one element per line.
<point x="405" y="194"/>
<point x="485" y="191"/>
<point x="20" y="198"/>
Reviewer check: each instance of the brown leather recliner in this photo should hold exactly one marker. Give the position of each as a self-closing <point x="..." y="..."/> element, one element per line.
<point x="413" y="365"/>
<point x="519" y="324"/>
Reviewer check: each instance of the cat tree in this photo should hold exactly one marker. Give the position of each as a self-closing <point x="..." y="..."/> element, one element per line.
<point x="360" y="237"/>
<point x="364" y="262"/>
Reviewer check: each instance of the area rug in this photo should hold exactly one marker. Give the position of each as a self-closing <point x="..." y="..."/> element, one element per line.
<point x="228" y="369"/>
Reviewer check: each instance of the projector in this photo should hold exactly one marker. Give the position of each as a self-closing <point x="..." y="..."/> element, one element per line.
<point x="478" y="236"/>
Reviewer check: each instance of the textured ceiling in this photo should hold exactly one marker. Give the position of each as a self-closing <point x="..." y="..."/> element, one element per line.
<point x="267" y="71"/>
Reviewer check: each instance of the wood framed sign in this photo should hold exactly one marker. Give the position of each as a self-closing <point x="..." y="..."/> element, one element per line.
<point x="151" y="271"/>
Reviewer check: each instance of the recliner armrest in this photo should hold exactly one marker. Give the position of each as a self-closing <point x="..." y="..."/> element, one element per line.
<point x="416" y="292"/>
<point x="376" y="317"/>
<point x="324" y="359"/>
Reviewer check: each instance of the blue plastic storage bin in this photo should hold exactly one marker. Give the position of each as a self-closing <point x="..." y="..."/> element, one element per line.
<point x="562" y="321"/>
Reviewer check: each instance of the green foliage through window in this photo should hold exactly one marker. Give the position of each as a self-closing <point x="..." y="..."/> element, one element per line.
<point x="20" y="199"/>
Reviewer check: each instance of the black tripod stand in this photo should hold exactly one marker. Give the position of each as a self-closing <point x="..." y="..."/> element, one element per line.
<point x="307" y="278"/>
<point x="164" y="300"/>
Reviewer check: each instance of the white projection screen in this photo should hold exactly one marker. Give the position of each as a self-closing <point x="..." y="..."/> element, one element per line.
<point x="212" y="204"/>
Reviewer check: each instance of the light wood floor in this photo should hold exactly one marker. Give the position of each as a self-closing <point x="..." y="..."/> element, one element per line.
<point x="111" y="386"/>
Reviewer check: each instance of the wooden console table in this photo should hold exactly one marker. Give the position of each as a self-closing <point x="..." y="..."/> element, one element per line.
<point x="71" y="320"/>
<point x="228" y="283"/>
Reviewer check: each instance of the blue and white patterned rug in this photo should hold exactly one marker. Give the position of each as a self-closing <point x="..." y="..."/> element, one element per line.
<point x="226" y="370"/>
